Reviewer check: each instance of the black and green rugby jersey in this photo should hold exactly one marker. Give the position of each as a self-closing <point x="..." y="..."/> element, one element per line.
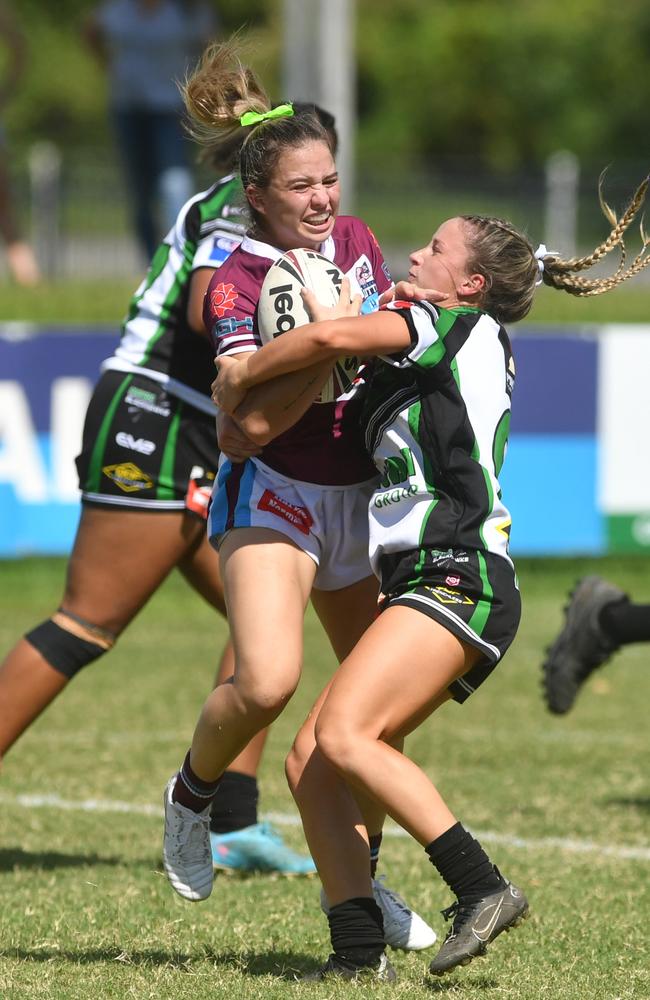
<point x="436" y="420"/>
<point x="156" y="339"/>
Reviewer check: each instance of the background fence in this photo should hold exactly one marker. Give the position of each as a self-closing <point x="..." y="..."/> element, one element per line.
<point x="75" y="205"/>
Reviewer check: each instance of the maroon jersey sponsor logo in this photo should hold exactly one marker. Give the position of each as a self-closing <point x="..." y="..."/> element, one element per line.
<point x="298" y="516"/>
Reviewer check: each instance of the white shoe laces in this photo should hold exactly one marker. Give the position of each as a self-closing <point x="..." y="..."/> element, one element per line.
<point x="191" y="832"/>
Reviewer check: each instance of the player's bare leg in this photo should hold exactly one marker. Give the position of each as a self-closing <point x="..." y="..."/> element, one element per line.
<point x="331" y="813"/>
<point x="268" y="581"/>
<point x="239" y="842"/>
<point x="396" y="677"/>
<point x="102" y="593"/>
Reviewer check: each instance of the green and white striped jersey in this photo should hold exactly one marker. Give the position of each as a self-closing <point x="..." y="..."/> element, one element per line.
<point x="436" y="420"/>
<point x="156" y="339"/>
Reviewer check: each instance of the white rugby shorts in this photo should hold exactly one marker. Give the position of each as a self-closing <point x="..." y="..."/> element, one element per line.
<point x="329" y="523"/>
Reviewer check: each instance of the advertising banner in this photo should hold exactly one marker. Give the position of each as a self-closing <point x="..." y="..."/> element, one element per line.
<point x="576" y="479"/>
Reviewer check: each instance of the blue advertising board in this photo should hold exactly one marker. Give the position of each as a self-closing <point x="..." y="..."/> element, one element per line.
<point x="549" y="478"/>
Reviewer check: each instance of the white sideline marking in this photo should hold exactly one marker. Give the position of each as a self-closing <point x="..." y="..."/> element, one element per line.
<point x="619" y="851"/>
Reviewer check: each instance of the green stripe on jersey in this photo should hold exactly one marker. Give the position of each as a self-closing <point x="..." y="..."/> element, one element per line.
<point x="207" y="210"/>
<point x="157" y="266"/>
<point x="165" y="489"/>
<point x="96" y="458"/>
<point x="484" y="605"/>
<point x="500" y="442"/>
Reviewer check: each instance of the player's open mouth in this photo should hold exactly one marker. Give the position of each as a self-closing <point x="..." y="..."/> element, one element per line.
<point x="319" y="220"/>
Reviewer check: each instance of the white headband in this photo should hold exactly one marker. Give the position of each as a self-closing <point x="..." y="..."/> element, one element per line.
<point x="539" y="256"/>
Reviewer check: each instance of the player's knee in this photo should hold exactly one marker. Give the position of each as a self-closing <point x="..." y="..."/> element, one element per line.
<point x="68" y="643"/>
<point x="265" y="701"/>
<point x="334" y="743"/>
<point x="267" y="704"/>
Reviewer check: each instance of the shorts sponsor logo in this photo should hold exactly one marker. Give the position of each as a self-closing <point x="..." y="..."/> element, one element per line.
<point x="128" y="477"/>
<point x="143" y="399"/>
<point x="299" y="517"/>
<point x="222" y="299"/>
<point x="441" y="557"/>
<point x="126" y="440"/>
<point x="448" y="595"/>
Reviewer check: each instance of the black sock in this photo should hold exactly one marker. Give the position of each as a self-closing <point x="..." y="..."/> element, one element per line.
<point x="375" y="844"/>
<point x="191" y="791"/>
<point x="625" y="622"/>
<point x="464" y="865"/>
<point x="357" y="932"/>
<point x="235" y="804"/>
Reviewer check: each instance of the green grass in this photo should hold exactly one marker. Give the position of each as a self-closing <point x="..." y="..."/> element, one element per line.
<point x="86" y="913"/>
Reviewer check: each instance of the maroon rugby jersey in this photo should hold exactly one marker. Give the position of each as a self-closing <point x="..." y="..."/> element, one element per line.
<point x="325" y="446"/>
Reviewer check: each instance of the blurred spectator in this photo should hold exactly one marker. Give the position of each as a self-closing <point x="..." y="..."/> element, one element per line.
<point x="147" y="46"/>
<point x="20" y="257"/>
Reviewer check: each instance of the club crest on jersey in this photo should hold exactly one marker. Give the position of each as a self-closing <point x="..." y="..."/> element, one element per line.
<point x="365" y="277"/>
<point x="222" y="299"/>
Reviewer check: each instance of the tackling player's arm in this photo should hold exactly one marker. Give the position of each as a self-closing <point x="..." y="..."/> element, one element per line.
<point x="337" y="331"/>
<point x="307" y="349"/>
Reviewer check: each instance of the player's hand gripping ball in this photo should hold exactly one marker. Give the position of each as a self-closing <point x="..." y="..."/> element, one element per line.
<point x="281" y="307"/>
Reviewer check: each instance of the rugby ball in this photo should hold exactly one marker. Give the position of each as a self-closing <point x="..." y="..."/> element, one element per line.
<point x="281" y="307"/>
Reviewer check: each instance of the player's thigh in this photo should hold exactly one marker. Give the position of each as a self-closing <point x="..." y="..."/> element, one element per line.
<point x="120" y="558"/>
<point x="267" y="582"/>
<point x="346" y="614"/>
<point x="396" y="676"/>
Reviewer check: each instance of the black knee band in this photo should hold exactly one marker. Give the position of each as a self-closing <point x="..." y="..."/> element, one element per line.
<point x="64" y="651"/>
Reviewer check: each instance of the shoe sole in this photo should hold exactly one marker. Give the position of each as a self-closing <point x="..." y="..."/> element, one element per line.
<point x="515" y="922"/>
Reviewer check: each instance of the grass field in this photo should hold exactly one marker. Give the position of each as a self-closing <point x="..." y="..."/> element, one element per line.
<point x="562" y="805"/>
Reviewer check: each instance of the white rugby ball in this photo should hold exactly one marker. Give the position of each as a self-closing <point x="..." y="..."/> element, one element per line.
<point x="281" y="307"/>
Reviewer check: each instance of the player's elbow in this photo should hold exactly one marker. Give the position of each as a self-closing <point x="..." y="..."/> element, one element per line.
<point x="329" y="339"/>
<point x="256" y="427"/>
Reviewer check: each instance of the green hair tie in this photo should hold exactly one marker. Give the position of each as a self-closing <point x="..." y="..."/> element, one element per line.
<point x="254" y="118"/>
